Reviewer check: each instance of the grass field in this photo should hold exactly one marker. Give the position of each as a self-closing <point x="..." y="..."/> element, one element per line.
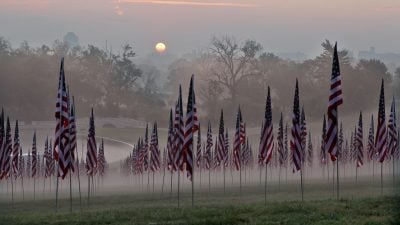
<point x="360" y="204"/>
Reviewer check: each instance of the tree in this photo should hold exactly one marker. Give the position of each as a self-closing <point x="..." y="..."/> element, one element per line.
<point x="234" y="62"/>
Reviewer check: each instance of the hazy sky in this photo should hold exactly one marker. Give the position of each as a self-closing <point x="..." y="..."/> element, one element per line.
<point x="186" y="25"/>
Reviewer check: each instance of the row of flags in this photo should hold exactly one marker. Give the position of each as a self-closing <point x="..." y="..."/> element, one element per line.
<point x="57" y="159"/>
<point x="179" y="153"/>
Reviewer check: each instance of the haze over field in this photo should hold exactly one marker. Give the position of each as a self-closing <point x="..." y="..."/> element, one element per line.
<point x="186" y="25"/>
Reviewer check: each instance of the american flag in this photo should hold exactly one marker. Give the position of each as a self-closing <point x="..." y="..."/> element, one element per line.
<point x="52" y="165"/>
<point x="101" y="160"/>
<point x="335" y="99"/>
<point x="352" y="147"/>
<point x="61" y="142"/>
<point x="154" y="150"/>
<point x="72" y="137"/>
<point x="322" y="153"/>
<point x="295" y="142"/>
<point x="16" y="149"/>
<point x="340" y="142"/>
<point x="242" y="128"/>
<point x="48" y="159"/>
<point x="226" y="147"/>
<point x="170" y="144"/>
<point x="371" y="142"/>
<point x="209" y="144"/>
<point x="310" y="151"/>
<point x="34" y="156"/>
<point x="21" y="167"/>
<point x="221" y="141"/>
<point x="359" y="142"/>
<point x="281" y="150"/>
<point x="267" y="136"/>
<point x="91" y="158"/>
<point x="237" y="143"/>
<point x="381" y="135"/>
<point x="216" y="160"/>
<point x="199" y="156"/>
<point x="392" y="131"/>
<point x="1" y="142"/>
<point x="303" y="128"/>
<point x="7" y="149"/>
<point x="179" y="132"/>
<point x="145" y="149"/>
<point x="191" y="126"/>
<point x="286" y="145"/>
<point x="28" y="164"/>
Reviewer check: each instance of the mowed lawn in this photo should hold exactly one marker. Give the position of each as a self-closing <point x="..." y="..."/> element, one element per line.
<point x="360" y="204"/>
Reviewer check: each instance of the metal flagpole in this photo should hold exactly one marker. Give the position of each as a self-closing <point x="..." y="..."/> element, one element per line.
<point x="265" y="187"/>
<point x="178" y="185"/>
<point x="337" y="178"/>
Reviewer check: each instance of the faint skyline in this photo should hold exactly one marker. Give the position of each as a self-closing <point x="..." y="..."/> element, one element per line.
<point x="186" y="25"/>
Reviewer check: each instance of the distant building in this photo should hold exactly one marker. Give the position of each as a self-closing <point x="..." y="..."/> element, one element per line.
<point x="71" y="39"/>
<point x="392" y="60"/>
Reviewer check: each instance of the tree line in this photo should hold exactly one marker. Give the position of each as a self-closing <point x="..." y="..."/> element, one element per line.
<point x="228" y="73"/>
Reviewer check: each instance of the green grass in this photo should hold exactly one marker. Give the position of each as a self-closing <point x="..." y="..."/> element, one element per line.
<point x="361" y="204"/>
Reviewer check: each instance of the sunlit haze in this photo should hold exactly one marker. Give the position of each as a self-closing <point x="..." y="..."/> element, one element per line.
<point x="187" y="25"/>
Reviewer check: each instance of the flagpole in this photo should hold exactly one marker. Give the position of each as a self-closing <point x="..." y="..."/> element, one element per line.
<point x="301" y="184"/>
<point x="57" y="181"/>
<point x="265" y="187"/>
<point x="79" y="179"/>
<point x="88" y="196"/>
<point x="162" y="188"/>
<point x="382" y="178"/>
<point x="337" y="178"/>
<point x="12" y="186"/>
<point x="178" y="184"/>
<point x="22" y="185"/>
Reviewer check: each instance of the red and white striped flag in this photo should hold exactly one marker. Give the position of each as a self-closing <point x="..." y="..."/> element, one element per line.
<point x="322" y="154"/>
<point x="295" y="142"/>
<point x="359" y="143"/>
<point x="267" y="136"/>
<point x="91" y="153"/>
<point x="371" y="142"/>
<point x="303" y="128"/>
<point x="61" y="142"/>
<point x="190" y="128"/>
<point x="237" y="144"/>
<point x="7" y="150"/>
<point x="48" y="159"/>
<point x="170" y="144"/>
<point x="335" y="99"/>
<point x="15" y="154"/>
<point x="34" y="156"/>
<point x="281" y="150"/>
<point x="145" y="149"/>
<point x="101" y="160"/>
<point x="21" y="167"/>
<point x="381" y="135"/>
<point x="199" y="156"/>
<point x="2" y="140"/>
<point x="209" y="144"/>
<point x="392" y="130"/>
<point x="154" y="151"/>
<point x="221" y="141"/>
<point x="226" y="148"/>
<point x="72" y="138"/>
<point x="179" y="132"/>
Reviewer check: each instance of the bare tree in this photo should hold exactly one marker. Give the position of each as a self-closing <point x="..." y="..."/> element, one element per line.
<point x="235" y="62"/>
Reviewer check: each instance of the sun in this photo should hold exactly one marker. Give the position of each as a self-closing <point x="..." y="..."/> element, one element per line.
<point x="160" y="47"/>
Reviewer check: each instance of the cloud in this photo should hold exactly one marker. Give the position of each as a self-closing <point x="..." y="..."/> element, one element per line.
<point x="190" y="3"/>
<point x="118" y="10"/>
